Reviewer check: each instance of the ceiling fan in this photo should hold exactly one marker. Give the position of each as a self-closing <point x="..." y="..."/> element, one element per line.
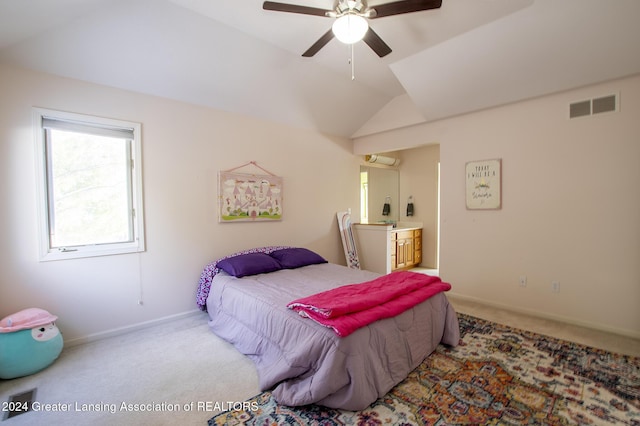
<point x="351" y="17"/>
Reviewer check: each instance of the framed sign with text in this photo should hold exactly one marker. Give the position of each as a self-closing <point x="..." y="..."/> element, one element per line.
<point x="484" y="182"/>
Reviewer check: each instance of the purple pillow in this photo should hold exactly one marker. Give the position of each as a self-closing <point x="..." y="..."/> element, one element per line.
<point x="291" y="258"/>
<point x="249" y="264"/>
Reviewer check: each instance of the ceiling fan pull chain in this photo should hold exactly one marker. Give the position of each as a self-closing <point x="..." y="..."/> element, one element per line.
<point x="353" y="71"/>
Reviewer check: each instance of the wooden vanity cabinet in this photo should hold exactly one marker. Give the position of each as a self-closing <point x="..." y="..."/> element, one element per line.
<point x="383" y="249"/>
<point x="406" y="248"/>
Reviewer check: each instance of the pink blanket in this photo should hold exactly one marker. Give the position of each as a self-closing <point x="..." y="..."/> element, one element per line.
<point x="347" y="308"/>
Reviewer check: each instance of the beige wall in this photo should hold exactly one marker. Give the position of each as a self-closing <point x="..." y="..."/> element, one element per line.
<point x="184" y="147"/>
<point x="419" y="178"/>
<point x="571" y="206"/>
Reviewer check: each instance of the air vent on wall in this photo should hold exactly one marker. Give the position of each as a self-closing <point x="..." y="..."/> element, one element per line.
<point x="593" y="106"/>
<point x="604" y="104"/>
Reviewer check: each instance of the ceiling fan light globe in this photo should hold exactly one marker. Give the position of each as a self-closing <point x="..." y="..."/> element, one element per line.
<point x="350" y="28"/>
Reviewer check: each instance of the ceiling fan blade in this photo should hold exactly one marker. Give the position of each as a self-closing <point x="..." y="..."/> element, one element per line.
<point x="376" y="43"/>
<point x="322" y="41"/>
<point x="404" y="6"/>
<point x="294" y="8"/>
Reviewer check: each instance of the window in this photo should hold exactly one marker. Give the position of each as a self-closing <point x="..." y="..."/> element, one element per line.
<point x="90" y="185"/>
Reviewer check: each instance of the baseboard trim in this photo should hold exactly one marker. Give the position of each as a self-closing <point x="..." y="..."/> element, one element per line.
<point x="128" y="329"/>
<point x="545" y="315"/>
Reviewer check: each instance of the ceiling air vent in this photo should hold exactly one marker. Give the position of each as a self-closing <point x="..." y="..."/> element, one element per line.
<point x="593" y="106"/>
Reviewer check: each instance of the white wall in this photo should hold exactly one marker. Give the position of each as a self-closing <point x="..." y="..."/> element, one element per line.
<point x="184" y="147"/>
<point x="571" y="206"/>
<point x="419" y="178"/>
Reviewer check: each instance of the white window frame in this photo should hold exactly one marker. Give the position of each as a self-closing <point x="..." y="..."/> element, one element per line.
<point x="137" y="244"/>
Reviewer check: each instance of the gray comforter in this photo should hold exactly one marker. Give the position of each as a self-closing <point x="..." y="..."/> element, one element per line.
<point x="304" y="362"/>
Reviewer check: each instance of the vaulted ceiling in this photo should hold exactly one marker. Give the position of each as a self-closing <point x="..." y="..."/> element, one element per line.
<point x="235" y="56"/>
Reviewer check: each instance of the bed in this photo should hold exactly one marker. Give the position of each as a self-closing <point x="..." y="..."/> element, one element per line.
<point x="300" y="360"/>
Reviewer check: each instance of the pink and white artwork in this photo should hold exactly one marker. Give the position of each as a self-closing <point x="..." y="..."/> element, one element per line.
<point x="249" y="198"/>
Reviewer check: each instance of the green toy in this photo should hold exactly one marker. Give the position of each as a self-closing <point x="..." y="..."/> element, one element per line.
<point x="29" y="342"/>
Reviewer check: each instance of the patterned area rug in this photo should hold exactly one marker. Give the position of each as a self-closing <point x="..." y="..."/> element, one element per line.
<point x="497" y="376"/>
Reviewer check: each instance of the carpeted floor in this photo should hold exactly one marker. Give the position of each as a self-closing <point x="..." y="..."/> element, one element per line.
<point x="498" y="375"/>
<point x="174" y="373"/>
<point x="182" y="364"/>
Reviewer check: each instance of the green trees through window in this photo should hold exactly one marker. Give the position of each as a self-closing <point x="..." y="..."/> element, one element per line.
<point x="90" y="185"/>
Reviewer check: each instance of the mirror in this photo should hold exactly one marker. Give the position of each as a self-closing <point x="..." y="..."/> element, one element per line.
<point x="379" y="186"/>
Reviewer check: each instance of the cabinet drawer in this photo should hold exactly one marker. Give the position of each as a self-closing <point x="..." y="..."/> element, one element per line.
<point x="401" y="235"/>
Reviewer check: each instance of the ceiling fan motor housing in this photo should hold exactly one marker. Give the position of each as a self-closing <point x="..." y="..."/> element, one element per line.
<point x="347" y="6"/>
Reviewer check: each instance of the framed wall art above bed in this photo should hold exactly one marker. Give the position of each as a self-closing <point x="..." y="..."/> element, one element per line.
<point x="244" y="197"/>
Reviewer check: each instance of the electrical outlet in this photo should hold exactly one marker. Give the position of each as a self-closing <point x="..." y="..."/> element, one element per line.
<point x="555" y="286"/>
<point x="523" y="280"/>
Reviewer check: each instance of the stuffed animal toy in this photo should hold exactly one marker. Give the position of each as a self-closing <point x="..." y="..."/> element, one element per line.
<point x="29" y="342"/>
